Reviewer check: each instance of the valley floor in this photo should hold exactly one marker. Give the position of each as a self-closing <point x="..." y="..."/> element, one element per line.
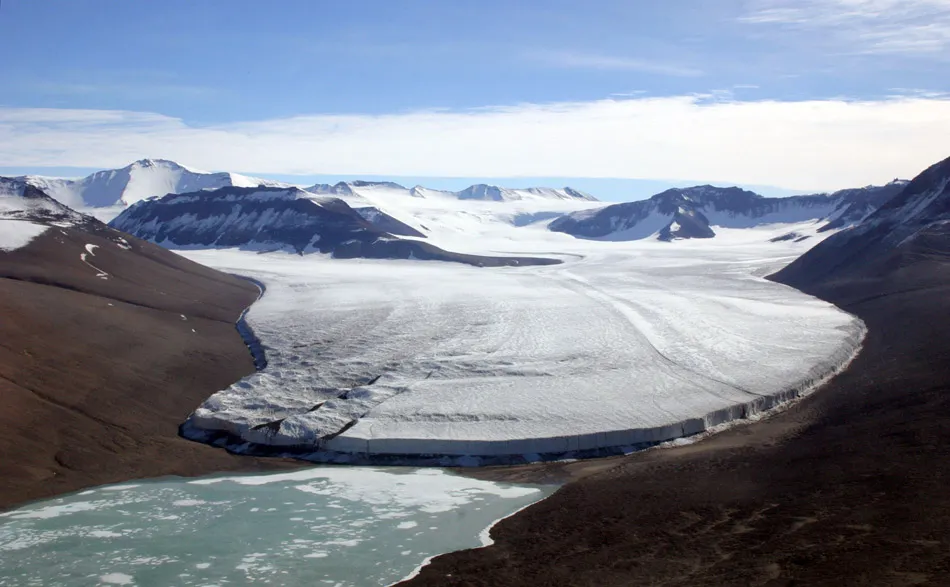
<point x="848" y="487"/>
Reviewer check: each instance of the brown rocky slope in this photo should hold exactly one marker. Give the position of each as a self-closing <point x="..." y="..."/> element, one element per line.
<point x="96" y="373"/>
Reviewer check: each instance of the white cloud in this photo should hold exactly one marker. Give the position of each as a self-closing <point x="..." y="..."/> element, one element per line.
<point x="801" y="145"/>
<point x="571" y="60"/>
<point x="908" y="27"/>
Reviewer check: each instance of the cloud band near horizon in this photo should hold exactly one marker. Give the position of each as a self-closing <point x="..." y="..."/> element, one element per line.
<point x="803" y="145"/>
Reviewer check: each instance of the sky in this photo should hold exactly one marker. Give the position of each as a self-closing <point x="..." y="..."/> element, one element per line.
<point x="618" y="97"/>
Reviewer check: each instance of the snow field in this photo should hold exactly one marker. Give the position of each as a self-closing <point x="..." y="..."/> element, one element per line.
<point x="18" y="233"/>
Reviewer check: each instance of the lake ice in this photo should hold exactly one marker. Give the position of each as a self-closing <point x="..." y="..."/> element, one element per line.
<point x="319" y="526"/>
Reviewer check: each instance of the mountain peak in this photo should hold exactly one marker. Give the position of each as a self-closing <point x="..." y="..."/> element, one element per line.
<point x="160" y="164"/>
<point x="717" y="190"/>
<point x="578" y="194"/>
<point x="359" y="183"/>
<point x="489" y="192"/>
<point x="481" y="191"/>
<point x="156" y="163"/>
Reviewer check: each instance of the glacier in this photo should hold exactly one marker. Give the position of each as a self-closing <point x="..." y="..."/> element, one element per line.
<point x="623" y="345"/>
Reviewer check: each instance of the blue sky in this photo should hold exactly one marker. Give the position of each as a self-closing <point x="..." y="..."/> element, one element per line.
<point x="655" y="92"/>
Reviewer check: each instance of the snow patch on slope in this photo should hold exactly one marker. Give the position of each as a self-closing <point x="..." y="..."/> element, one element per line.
<point x="91" y="252"/>
<point x="18" y="233"/>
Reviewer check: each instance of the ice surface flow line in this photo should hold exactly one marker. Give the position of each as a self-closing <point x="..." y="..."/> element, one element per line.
<point x="630" y="314"/>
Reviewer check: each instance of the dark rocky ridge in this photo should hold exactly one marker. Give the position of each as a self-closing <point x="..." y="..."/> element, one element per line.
<point x="858" y="203"/>
<point x="281" y="219"/>
<point x="911" y="226"/>
<point x="690" y="212"/>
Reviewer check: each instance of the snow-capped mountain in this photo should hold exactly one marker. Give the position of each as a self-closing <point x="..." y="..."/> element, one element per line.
<point x="499" y="194"/>
<point x="272" y="218"/>
<point x="106" y="193"/>
<point x="694" y="212"/>
<point x="910" y="226"/>
<point x="140" y="180"/>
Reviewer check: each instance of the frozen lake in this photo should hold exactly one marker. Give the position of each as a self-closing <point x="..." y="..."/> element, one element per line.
<point x="622" y="345"/>
<point x="336" y="526"/>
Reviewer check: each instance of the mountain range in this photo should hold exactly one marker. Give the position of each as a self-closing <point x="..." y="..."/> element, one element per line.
<point x="148" y="178"/>
<point x="693" y="212"/>
<point x="229" y="209"/>
<point x="481" y="192"/>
